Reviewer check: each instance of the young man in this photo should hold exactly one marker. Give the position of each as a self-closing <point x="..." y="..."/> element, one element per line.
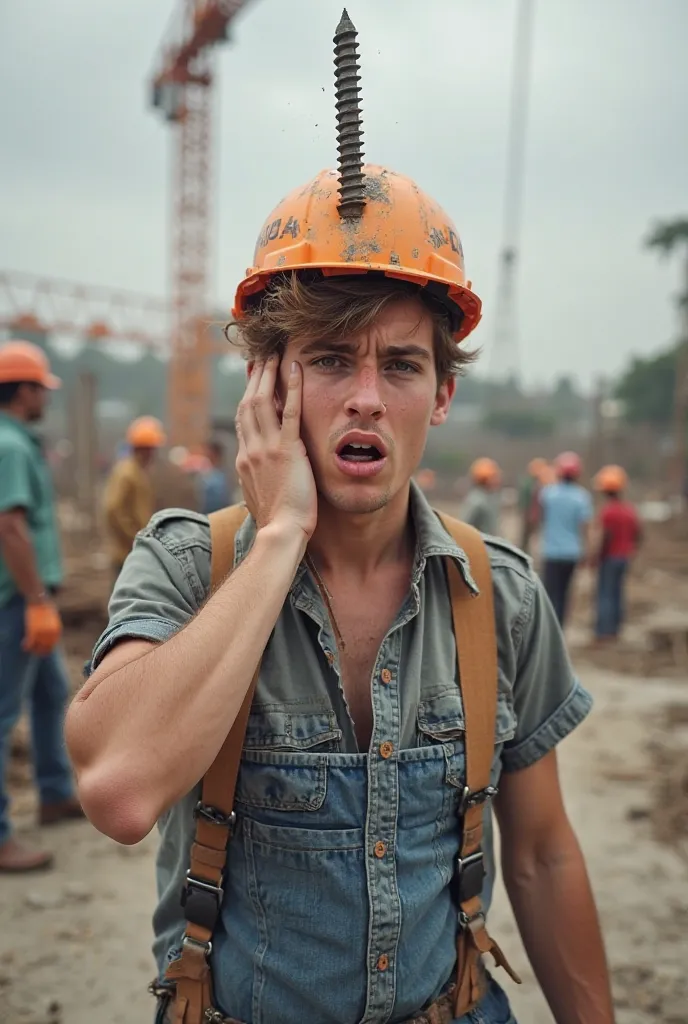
<point x="620" y="536"/>
<point x="481" y="505"/>
<point x="129" y="499"/>
<point x="566" y="518"/>
<point x="30" y="572"/>
<point x="338" y="903"/>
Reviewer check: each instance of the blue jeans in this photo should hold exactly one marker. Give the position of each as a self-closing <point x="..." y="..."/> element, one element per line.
<point x="43" y="684"/>
<point x="610" y="603"/>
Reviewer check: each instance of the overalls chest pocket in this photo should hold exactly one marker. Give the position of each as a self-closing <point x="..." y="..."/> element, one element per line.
<point x="284" y="766"/>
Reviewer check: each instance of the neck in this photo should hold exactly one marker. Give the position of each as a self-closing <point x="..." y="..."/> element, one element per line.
<point x="13" y="411"/>
<point x="359" y="544"/>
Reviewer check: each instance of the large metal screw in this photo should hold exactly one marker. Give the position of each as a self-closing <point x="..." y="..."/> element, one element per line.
<point x="349" y="131"/>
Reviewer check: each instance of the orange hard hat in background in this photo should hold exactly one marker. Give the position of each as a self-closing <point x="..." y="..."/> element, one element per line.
<point x="23" y="362"/>
<point x="485" y="471"/>
<point x="146" y="432"/>
<point x="568" y="464"/>
<point x="401" y="233"/>
<point x="611" y="479"/>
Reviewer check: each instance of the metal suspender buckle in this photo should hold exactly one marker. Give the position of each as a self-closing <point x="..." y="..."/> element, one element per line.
<point x="201" y="902"/>
<point x="470" y="872"/>
<point x="215" y="817"/>
<point x="480" y="796"/>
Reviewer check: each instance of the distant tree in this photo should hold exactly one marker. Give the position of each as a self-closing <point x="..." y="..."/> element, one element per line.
<point x="647" y="389"/>
<point x="519" y="422"/>
<point x="668" y="237"/>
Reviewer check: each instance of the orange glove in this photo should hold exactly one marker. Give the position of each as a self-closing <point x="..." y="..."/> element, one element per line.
<point x="42" y="628"/>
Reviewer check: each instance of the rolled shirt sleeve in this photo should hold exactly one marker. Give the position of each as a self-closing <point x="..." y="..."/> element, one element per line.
<point x="16" y="480"/>
<point x="549" y="701"/>
<point x="159" y="588"/>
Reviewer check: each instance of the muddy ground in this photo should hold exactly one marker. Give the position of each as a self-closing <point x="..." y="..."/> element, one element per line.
<point x="74" y="944"/>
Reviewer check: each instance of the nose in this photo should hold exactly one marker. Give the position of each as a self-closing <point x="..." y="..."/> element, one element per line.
<point x="365" y="400"/>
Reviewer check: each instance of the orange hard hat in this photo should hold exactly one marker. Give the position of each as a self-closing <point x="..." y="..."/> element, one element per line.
<point x="485" y="471"/>
<point x="568" y="464"/>
<point x="23" y="362"/>
<point x="611" y="478"/>
<point x="401" y="233"/>
<point x="146" y="432"/>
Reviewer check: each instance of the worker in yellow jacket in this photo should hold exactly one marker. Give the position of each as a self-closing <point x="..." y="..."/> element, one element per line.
<point x="129" y="500"/>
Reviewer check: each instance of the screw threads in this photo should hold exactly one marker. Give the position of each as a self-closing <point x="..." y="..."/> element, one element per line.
<point x="349" y="128"/>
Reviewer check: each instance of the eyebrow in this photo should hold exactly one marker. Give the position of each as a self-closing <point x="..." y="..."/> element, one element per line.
<point x="397" y="351"/>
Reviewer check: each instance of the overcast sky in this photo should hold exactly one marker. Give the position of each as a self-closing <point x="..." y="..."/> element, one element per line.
<point x="85" y="162"/>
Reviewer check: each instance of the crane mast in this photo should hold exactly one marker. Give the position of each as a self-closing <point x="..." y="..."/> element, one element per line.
<point x="183" y="92"/>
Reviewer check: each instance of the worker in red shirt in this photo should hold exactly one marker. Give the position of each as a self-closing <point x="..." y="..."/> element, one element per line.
<point x="621" y="533"/>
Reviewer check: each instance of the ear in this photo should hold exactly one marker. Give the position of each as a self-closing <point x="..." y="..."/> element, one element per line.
<point x="443" y="401"/>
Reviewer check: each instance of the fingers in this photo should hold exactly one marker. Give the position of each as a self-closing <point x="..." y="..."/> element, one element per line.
<point x="291" y="416"/>
<point x="264" y="401"/>
<point x="246" y="422"/>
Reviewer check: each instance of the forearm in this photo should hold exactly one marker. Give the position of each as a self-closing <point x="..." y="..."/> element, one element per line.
<point x="18" y="555"/>
<point x="557" y="919"/>
<point x="163" y="717"/>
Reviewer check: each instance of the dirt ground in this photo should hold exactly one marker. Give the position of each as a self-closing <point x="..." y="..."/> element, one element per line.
<point x="75" y="943"/>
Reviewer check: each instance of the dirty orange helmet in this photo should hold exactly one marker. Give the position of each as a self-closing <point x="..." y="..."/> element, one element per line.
<point x="401" y="233"/>
<point x="23" y="362"/>
<point x="568" y="465"/>
<point x="146" y="432"/>
<point x="611" y="479"/>
<point x="485" y="471"/>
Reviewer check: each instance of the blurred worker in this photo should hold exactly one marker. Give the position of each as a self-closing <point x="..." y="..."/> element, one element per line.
<point x="566" y="515"/>
<point x="481" y="505"/>
<point x="621" y="535"/>
<point x="129" y="498"/>
<point x="213" y="482"/>
<point x="30" y="572"/>
<point x="529" y="499"/>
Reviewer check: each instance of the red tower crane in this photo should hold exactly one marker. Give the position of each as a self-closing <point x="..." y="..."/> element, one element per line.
<point x="182" y="91"/>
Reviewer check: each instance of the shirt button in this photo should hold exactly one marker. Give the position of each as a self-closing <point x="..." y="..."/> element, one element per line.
<point x="386" y="676"/>
<point x="382" y="962"/>
<point x="386" y="749"/>
<point x="380" y="848"/>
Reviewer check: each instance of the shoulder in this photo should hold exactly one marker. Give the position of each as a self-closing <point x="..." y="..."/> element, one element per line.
<point x="14" y="442"/>
<point x="178" y="530"/>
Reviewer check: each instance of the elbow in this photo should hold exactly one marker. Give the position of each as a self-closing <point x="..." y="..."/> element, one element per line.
<point x="115" y="806"/>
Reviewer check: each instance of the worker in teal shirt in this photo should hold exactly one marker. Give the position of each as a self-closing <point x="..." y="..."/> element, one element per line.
<point x="30" y="572"/>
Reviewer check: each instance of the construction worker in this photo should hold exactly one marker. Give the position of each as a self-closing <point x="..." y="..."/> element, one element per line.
<point x="620" y="536"/>
<point x="213" y="481"/>
<point x="329" y="889"/>
<point x="566" y="517"/>
<point x="481" y="505"/>
<point x="529" y="499"/>
<point x="129" y="499"/>
<point x="31" y="668"/>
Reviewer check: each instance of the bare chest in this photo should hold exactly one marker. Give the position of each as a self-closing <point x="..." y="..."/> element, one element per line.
<point x="363" y="620"/>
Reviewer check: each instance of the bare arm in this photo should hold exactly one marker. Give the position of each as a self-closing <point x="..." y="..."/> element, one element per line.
<point x="18" y="554"/>
<point x="149" y="722"/>
<point x="151" y="719"/>
<point x="547" y="882"/>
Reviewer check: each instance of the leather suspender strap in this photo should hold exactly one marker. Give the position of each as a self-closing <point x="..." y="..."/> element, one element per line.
<point x="202" y="894"/>
<point x="476" y="645"/>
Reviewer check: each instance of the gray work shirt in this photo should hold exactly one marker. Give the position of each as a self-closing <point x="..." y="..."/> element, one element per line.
<point x="481" y="509"/>
<point x="305" y="785"/>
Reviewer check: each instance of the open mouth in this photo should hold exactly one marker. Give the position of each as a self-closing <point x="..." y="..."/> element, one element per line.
<point x="360" y="453"/>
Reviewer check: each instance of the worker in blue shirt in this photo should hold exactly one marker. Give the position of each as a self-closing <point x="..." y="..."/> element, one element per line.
<point x="566" y="517"/>
<point x="213" y="483"/>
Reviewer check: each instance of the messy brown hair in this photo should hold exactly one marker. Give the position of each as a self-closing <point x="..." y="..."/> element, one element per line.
<point x="309" y="307"/>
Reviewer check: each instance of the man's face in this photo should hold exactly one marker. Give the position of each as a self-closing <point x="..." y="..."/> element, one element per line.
<point x="368" y="402"/>
<point x="34" y="402"/>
